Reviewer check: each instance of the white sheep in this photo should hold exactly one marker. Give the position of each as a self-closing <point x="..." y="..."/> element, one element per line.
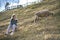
<point x="43" y="13"/>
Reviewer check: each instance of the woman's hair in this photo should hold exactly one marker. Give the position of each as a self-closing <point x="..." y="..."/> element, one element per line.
<point x="13" y="16"/>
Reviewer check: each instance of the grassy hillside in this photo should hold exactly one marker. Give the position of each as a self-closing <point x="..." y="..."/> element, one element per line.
<point x="48" y="28"/>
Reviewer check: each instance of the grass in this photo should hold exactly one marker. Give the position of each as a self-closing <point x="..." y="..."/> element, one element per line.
<point x="48" y="28"/>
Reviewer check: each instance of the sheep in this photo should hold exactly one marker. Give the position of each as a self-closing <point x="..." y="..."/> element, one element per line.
<point x="43" y="13"/>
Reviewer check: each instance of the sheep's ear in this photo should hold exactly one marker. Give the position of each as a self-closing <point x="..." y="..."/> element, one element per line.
<point x="52" y="13"/>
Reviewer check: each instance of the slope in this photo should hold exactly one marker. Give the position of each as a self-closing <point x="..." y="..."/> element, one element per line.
<point x="45" y="29"/>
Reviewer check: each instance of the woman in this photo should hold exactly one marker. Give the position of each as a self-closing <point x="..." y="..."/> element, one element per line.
<point x="13" y="25"/>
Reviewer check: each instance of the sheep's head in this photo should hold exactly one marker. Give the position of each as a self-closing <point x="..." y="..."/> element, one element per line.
<point x="51" y="13"/>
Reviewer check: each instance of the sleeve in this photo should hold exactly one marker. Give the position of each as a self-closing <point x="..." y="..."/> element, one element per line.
<point x="16" y="21"/>
<point x="11" y="21"/>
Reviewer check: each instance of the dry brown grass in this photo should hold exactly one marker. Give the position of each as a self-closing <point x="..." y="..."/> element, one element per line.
<point x="48" y="28"/>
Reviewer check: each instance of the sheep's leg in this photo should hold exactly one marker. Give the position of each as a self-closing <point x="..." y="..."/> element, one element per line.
<point x="36" y="18"/>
